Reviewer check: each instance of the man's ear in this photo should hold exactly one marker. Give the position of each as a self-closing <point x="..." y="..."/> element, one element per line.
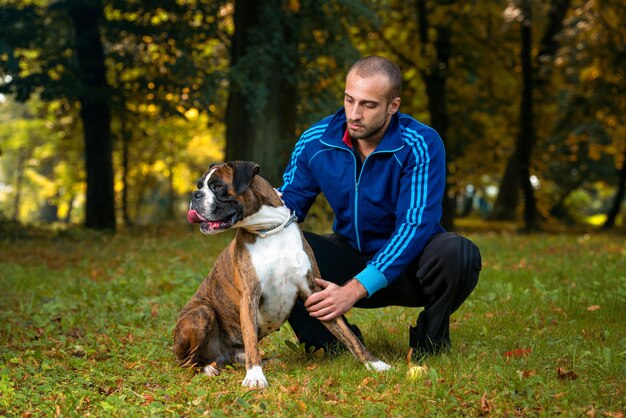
<point x="243" y="173"/>
<point x="394" y="105"/>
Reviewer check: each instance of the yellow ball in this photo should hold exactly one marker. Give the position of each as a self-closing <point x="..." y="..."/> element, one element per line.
<point x="416" y="372"/>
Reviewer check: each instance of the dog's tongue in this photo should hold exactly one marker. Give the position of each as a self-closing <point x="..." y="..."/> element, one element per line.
<point x="194" y="217"/>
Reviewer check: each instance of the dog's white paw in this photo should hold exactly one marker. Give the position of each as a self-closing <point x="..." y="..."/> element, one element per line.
<point x="210" y="370"/>
<point x="379" y="366"/>
<point x="255" y="378"/>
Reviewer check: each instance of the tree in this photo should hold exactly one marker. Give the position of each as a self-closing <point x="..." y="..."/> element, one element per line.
<point x="442" y="47"/>
<point x="156" y="57"/>
<point x="53" y="49"/>
<point x="287" y="62"/>
<point x="95" y="111"/>
<point x="262" y="102"/>
<point x="517" y="173"/>
<point x="435" y="78"/>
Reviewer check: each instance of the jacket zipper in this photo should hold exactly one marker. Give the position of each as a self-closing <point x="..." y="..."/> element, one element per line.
<point x="356" y="188"/>
<point x="356" y="201"/>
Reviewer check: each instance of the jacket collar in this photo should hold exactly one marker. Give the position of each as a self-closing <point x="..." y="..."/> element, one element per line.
<point x="392" y="140"/>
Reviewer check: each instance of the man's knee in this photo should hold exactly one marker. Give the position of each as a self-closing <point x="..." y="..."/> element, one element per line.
<point x="461" y="257"/>
<point x="469" y="265"/>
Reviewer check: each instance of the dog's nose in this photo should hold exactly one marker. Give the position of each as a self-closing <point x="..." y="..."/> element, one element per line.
<point x="199" y="194"/>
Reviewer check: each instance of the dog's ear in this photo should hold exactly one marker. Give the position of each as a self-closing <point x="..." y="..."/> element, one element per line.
<point x="243" y="173"/>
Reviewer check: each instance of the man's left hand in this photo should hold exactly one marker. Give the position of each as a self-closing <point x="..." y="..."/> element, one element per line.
<point x="333" y="300"/>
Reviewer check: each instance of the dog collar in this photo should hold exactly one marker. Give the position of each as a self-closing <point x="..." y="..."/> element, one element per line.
<point x="263" y="233"/>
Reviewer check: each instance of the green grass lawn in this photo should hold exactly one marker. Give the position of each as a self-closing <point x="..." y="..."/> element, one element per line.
<point x="86" y="322"/>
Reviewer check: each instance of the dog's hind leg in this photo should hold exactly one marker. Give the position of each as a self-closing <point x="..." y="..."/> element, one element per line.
<point x="343" y="333"/>
<point x="196" y="339"/>
<point x="340" y="329"/>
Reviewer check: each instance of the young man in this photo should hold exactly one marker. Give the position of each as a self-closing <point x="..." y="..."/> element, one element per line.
<point x="383" y="174"/>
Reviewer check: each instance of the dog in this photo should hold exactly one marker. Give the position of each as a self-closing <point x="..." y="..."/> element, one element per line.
<point x="256" y="280"/>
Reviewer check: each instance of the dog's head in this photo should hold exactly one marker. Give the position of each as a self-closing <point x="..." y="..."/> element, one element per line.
<point x="228" y="193"/>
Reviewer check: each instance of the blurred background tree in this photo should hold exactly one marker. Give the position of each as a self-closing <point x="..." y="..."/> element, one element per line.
<point x="110" y="109"/>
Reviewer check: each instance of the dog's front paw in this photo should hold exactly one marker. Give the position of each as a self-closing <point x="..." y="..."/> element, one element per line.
<point x="255" y="378"/>
<point x="379" y="366"/>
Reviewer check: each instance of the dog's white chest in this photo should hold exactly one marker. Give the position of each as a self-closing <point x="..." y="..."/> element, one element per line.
<point x="281" y="266"/>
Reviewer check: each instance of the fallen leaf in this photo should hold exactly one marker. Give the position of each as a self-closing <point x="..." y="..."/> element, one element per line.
<point x="148" y="399"/>
<point x="518" y="352"/>
<point x="301" y="405"/>
<point x="613" y="414"/>
<point x="106" y="390"/>
<point x="593" y="308"/>
<point x="485" y="404"/>
<point x="563" y="374"/>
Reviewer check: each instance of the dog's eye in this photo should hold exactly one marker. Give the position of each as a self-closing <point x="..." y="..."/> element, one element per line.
<point x="199" y="184"/>
<point x="216" y="187"/>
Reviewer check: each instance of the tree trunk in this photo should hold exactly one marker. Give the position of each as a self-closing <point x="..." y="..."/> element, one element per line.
<point x="435" y="79"/>
<point x="126" y="139"/>
<point x="264" y="135"/>
<point x="508" y="199"/>
<point x="19" y="181"/>
<point x="517" y="173"/>
<point x="619" y="197"/>
<point x="527" y="134"/>
<point x="95" y="113"/>
<point x="170" y="209"/>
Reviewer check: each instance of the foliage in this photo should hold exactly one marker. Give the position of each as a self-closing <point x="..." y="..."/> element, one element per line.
<point x="169" y="75"/>
<point x="40" y="156"/>
<point x="87" y="319"/>
<point x="587" y="146"/>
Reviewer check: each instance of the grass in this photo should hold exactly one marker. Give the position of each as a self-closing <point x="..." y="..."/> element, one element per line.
<point x="86" y="322"/>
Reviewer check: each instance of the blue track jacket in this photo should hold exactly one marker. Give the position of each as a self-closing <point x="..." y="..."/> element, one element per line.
<point x="390" y="209"/>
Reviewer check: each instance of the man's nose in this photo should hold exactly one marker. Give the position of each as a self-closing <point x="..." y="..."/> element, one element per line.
<point x="355" y="113"/>
<point x="198" y="194"/>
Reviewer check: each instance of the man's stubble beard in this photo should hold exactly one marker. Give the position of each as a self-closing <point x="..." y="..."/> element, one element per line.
<point x="370" y="133"/>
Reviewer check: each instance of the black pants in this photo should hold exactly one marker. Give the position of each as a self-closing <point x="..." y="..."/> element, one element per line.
<point x="440" y="279"/>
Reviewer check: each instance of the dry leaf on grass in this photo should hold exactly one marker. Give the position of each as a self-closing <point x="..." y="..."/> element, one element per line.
<point x="518" y="352"/>
<point x="485" y="403"/>
<point x="563" y="374"/>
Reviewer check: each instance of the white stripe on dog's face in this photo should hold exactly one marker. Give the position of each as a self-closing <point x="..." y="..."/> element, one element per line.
<point x="208" y="201"/>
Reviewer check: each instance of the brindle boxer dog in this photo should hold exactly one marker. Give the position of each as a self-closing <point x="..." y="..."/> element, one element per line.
<point x="256" y="279"/>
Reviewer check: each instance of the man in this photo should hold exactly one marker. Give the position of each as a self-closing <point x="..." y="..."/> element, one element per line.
<point x="383" y="174"/>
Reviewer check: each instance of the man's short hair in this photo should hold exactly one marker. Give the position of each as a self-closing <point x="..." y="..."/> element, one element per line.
<point x="370" y="66"/>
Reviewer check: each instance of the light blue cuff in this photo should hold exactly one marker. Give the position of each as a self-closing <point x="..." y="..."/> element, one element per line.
<point x="371" y="279"/>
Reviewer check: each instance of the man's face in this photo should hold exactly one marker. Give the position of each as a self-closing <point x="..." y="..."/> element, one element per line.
<point x="367" y="105"/>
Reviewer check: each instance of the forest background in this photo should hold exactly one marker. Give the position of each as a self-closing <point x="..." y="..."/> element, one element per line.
<point x="110" y="109"/>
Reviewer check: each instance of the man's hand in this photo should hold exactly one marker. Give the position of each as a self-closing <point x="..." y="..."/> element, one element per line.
<point x="333" y="300"/>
